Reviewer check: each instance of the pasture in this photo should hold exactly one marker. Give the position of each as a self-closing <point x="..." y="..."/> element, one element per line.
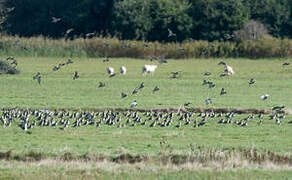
<point x="261" y="150"/>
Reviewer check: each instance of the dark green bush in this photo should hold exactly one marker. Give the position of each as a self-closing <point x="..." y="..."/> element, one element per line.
<point x="6" y="68"/>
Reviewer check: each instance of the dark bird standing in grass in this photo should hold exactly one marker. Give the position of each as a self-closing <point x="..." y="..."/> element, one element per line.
<point x="123" y="95"/>
<point x="76" y="75"/>
<point x="251" y="81"/>
<point x="207" y="73"/>
<point x="101" y="84"/>
<point x="112" y="75"/>
<point x="156" y="89"/>
<point x="285" y="64"/>
<point x="223" y="91"/>
<point x="69" y="61"/>
<point x="37" y="77"/>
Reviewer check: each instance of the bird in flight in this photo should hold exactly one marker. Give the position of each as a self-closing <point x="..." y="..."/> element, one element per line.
<point x="55" y="20"/>
<point x="170" y="33"/>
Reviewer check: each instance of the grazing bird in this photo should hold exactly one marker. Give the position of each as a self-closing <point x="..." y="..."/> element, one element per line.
<point x="221" y="63"/>
<point x="285" y="64"/>
<point x="56" y="68"/>
<point x="106" y="60"/>
<point x="112" y="75"/>
<point x="251" y="81"/>
<point x="133" y="104"/>
<point x="124" y="95"/>
<point x="208" y="101"/>
<point x="14" y="62"/>
<point x="175" y="74"/>
<point x="135" y="91"/>
<point x="110" y="70"/>
<point x="76" y="75"/>
<point x="37" y="77"/>
<point x="278" y="122"/>
<point x="123" y="70"/>
<point x="55" y="20"/>
<point x="187" y="104"/>
<point x="101" y="84"/>
<point x="141" y="86"/>
<point x="278" y="108"/>
<point x="10" y="58"/>
<point x="207" y="73"/>
<point x="223" y="91"/>
<point x="211" y="85"/>
<point x="162" y="60"/>
<point x="69" y="61"/>
<point x="156" y="88"/>
<point x="265" y="97"/>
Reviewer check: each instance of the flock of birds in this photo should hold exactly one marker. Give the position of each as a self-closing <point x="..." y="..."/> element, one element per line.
<point x="28" y="118"/>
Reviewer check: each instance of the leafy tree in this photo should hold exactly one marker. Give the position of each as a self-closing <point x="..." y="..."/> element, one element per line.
<point x="214" y="19"/>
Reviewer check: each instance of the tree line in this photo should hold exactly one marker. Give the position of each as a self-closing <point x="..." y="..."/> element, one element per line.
<point x="149" y="20"/>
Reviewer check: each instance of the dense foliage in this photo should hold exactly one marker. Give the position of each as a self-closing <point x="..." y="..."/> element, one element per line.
<point x="144" y="19"/>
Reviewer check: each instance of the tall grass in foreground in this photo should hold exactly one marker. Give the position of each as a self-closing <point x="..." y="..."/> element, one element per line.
<point x="112" y="47"/>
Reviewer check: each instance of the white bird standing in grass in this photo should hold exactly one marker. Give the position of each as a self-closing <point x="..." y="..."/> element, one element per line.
<point x="133" y="104"/>
<point x="123" y="70"/>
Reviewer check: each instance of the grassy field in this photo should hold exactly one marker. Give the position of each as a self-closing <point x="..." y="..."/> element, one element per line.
<point x="58" y="90"/>
<point x="213" y="151"/>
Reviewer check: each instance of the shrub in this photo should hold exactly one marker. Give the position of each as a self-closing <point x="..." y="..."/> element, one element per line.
<point x="6" y="68"/>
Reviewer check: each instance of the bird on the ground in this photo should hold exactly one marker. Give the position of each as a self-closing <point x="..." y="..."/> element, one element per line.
<point x="187" y="104"/>
<point x="133" y="104"/>
<point x="265" y="97"/>
<point x="156" y="88"/>
<point x="285" y="64"/>
<point x="162" y="60"/>
<point x="101" y="84"/>
<point x="10" y="58"/>
<point x="76" y="75"/>
<point x="221" y="63"/>
<point x="278" y="108"/>
<point x="37" y="77"/>
<point x="106" y="59"/>
<point x="223" y="91"/>
<point x="56" y="68"/>
<point x="251" y="81"/>
<point x="207" y="73"/>
<point x="135" y="91"/>
<point x="69" y="61"/>
<point x="123" y="95"/>
<point x="14" y="62"/>
<point x="141" y="86"/>
<point x="112" y="75"/>
<point x="208" y="101"/>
